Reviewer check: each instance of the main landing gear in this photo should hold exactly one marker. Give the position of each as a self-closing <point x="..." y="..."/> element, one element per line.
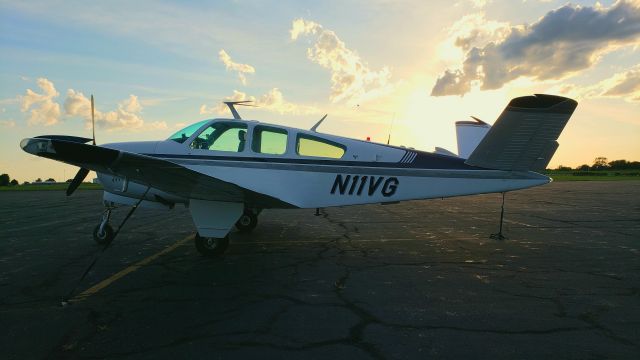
<point x="215" y="246"/>
<point x="247" y="221"/>
<point x="210" y="246"/>
<point x="104" y="233"/>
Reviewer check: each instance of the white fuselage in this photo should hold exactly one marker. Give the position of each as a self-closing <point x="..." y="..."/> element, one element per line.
<point x="367" y="173"/>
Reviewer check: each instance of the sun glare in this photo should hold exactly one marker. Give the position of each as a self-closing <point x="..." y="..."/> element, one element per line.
<point x="430" y="121"/>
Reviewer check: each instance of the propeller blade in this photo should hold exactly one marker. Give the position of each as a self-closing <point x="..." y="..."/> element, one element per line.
<point x="93" y="122"/>
<point x="77" y="180"/>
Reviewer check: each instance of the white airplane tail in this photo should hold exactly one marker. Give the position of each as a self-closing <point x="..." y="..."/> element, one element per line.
<point x="524" y="136"/>
<point x="469" y="134"/>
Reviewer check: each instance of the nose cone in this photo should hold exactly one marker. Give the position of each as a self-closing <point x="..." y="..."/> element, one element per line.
<point x="37" y="146"/>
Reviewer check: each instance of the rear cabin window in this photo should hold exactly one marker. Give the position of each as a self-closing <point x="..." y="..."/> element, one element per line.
<point x="268" y="140"/>
<point x="312" y="146"/>
<point x="222" y="137"/>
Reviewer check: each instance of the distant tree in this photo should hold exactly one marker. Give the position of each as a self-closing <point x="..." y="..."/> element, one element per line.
<point x="26" y="183"/>
<point x="51" y="180"/>
<point x="38" y="180"/>
<point x="583" y="167"/>
<point x="4" y="180"/>
<point x="69" y="180"/>
<point x="624" y="165"/>
<point x="14" y="182"/>
<point x="600" y="163"/>
<point x="560" y="167"/>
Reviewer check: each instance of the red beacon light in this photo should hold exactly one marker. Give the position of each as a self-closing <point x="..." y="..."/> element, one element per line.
<point x="368" y="138"/>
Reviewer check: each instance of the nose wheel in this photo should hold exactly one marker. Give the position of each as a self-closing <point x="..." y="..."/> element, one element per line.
<point x="210" y="246"/>
<point x="247" y="222"/>
<point x="103" y="233"/>
<point x="104" y="236"/>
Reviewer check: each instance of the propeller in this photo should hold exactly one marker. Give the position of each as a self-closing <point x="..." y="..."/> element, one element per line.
<point x="77" y="180"/>
<point x="93" y="121"/>
<point x="82" y="173"/>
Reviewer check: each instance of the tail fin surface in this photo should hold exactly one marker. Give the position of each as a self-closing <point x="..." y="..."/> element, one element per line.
<point x="524" y="136"/>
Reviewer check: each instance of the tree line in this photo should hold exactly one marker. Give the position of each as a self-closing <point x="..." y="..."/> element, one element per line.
<point x="6" y="180"/>
<point x="601" y="163"/>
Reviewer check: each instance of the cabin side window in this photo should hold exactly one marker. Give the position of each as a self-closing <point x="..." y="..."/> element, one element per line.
<point x="269" y="140"/>
<point x="222" y="136"/>
<point x="307" y="145"/>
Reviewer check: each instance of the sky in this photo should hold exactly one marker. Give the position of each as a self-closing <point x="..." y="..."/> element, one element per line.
<point x="406" y="68"/>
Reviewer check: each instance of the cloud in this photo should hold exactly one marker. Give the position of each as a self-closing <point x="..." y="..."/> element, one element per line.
<point x="273" y="100"/>
<point x="181" y="125"/>
<point x="623" y="85"/>
<point x="157" y="125"/>
<point x="242" y="69"/>
<point x="564" y="41"/>
<point x="7" y="123"/>
<point x="475" y="30"/>
<point x="351" y="79"/>
<point x="44" y="111"/>
<point x="10" y="101"/>
<point x="126" y="116"/>
<point x="479" y="3"/>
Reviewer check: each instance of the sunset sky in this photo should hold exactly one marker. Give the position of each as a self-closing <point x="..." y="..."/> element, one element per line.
<point x="154" y="67"/>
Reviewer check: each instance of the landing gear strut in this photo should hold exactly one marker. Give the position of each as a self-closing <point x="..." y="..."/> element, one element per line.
<point x="210" y="246"/>
<point x="103" y="233"/>
<point x="248" y="221"/>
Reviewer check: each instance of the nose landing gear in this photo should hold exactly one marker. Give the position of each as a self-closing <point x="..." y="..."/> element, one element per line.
<point x="103" y="233"/>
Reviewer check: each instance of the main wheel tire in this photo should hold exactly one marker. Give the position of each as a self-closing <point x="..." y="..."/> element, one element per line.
<point x="105" y="237"/>
<point x="210" y="246"/>
<point x="247" y="222"/>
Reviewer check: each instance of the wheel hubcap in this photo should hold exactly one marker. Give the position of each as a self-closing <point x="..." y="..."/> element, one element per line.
<point x="245" y="220"/>
<point x="211" y="243"/>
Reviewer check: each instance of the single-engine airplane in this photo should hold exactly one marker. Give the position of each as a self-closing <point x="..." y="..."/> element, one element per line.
<point x="228" y="170"/>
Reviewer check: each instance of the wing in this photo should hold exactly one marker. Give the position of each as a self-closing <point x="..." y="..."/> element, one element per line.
<point x="161" y="174"/>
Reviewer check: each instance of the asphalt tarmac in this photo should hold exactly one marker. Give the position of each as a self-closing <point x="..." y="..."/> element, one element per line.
<point x="413" y="280"/>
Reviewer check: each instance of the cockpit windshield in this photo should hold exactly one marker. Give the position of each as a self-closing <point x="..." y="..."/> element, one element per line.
<point x="182" y="135"/>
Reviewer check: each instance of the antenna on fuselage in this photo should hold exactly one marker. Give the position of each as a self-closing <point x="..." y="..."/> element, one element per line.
<point x="314" y="127"/>
<point x="391" y="128"/>
<point x="232" y="104"/>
